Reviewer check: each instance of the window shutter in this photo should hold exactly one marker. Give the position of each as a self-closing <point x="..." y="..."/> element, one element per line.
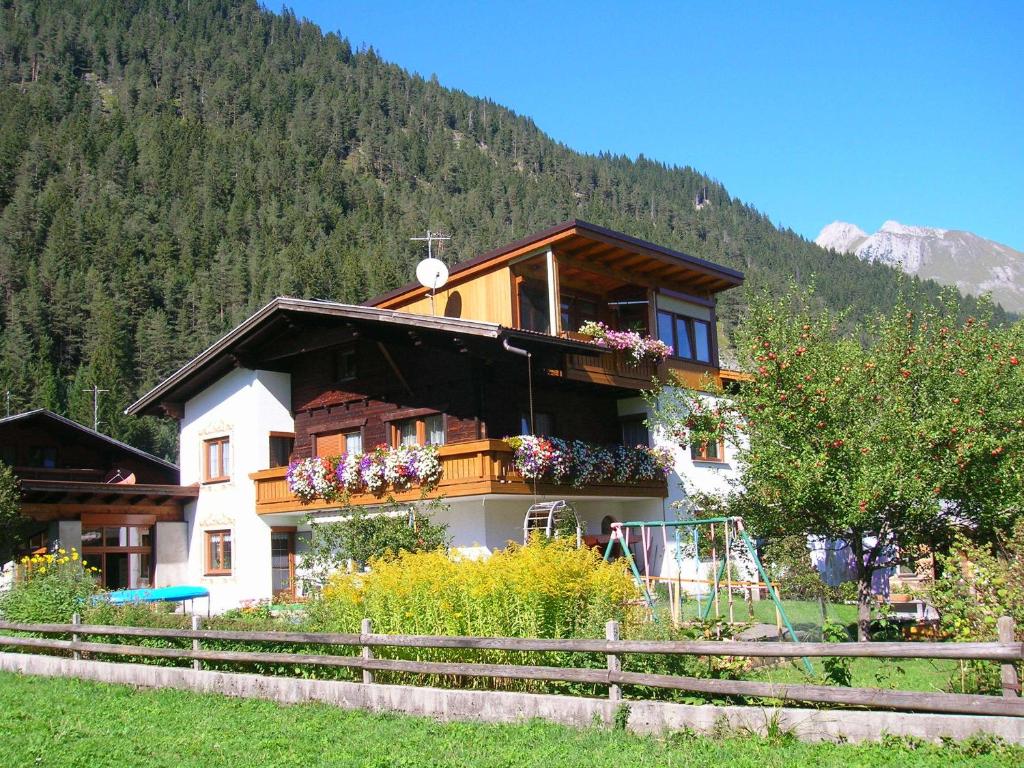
<point x="332" y="444"/>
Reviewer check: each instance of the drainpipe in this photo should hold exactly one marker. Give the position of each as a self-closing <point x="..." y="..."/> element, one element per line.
<point x="529" y="373"/>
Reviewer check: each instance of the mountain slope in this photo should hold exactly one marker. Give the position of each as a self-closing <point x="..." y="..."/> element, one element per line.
<point x="950" y="257"/>
<point x="167" y="166"/>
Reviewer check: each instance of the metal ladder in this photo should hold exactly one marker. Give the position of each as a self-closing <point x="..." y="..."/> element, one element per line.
<point x="542" y="517"/>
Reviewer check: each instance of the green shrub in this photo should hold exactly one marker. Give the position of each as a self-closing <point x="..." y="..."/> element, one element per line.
<point x="979" y="584"/>
<point x="49" y="588"/>
<point x="546" y="589"/>
<point x="362" y="537"/>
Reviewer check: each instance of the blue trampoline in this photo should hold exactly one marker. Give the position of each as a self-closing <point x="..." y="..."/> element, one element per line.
<point x="158" y="595"/>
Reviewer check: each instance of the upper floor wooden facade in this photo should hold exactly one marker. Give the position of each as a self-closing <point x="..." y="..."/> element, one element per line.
<point x="556" y="280"/>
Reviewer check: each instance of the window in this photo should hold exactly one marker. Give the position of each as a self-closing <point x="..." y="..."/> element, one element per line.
<point x="123" y="553"/>
<point x="282" y="561"/>
<point x="344" y="365"/>
<point x="532" y="298"/>
<point x="419" y="430"/>
<point x="45" y="457"/>
<point x="544" y="424"/>
<point x="708" y="452"/>
<point x="281" y="446"/>
<point x="433" y="429"/>
<point x="634" y="431"/>
<point x="576" y="310"/>
<point x="218" y="553"/>
<point x="216" y="459"/>
<point x="689" y="338"/>
<point x="405" y="432"/>
<point x="338" y="443"/>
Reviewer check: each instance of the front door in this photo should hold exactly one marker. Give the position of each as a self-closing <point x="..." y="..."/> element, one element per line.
<point x="282" y="562"/>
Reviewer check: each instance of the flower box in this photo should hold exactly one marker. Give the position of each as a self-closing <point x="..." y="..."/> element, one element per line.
<point x="577" y="463"/>
<point x="334" y="477"/>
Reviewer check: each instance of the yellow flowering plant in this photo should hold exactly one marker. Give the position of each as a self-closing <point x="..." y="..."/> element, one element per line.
<point x="49" y="587"/>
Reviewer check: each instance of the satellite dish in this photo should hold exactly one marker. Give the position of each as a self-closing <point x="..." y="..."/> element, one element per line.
<point x="432" y="273"/>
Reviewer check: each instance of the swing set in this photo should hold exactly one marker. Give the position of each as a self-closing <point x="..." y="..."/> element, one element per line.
<point x="726" y="530"/>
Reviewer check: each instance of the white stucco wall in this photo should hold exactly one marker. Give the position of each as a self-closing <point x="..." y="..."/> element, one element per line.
<point x="246" y="406"/>
<point x="171" y="554"/>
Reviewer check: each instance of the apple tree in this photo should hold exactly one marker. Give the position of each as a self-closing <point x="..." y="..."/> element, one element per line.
<point x="886" y="435"/>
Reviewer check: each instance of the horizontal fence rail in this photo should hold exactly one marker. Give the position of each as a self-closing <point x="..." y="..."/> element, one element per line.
<point x="1007" y="653"/>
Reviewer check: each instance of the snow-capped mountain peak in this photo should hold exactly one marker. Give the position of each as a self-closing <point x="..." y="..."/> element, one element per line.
<point x="948" y="256"/>
<point x="841" y="236"/>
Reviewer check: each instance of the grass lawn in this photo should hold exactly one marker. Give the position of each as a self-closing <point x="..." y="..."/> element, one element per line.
<point x="58" y="722"/>
<point x="805" y="615"/>
<point x="900" y="674"/>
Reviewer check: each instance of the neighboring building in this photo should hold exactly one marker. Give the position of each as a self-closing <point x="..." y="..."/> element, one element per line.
<point x="121" y="507"/>
<point x="302" y="378"/>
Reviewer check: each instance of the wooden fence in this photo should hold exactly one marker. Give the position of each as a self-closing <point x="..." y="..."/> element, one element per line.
<point x="1006" y="652"/>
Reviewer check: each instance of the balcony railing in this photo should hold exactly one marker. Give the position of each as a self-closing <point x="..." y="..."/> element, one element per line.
<point x="467" y="469"/>
<point x="616" y="367"/>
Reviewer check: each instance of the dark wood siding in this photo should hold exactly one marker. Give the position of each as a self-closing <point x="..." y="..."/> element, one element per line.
<point x="74" y="455"/>
<point x="482" y="396"/>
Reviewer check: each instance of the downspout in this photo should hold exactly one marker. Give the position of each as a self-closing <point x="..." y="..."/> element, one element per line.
<point x="529" y="373"/>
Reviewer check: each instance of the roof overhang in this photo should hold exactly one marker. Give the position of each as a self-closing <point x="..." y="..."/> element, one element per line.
<point x="636" y="261"/>
<point x="288" y="327"/>
<point x="90" y="434"/>
<point x="64" y="491"/>
<point x="60" y="499"/>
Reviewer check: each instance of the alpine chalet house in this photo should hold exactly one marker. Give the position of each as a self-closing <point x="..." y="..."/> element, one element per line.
<point x="122" y="508"/>
<point x="497" y="352"/>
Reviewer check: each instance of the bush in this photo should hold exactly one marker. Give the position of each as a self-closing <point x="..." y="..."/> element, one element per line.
<point x="980" y="583"/>
<point x="548" y="589"/>
<point x="362" y="536"/>
<point x="49" y="588"/>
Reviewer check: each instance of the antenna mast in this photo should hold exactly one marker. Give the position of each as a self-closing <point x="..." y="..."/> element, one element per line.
<point x="96" y="392"/>
<point x="431" y="238"/>
<point x="436" y="273"/>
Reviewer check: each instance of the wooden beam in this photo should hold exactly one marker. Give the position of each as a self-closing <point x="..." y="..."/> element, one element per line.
<point x="173" y="410"/>
<point x="315" y="342"/>
<point x="616" y="274"/>
<point x="43" y="512"/>
<point x="554" y="295"/>
<point x="590" y="251"/>
<point x="394" y="368"/>
<point x="703" y="301"/>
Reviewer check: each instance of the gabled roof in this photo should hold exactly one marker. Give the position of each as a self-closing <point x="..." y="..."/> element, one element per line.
<point x="42" y="413"/>
<point x="263" y="327"/>
<point x="575" y="232"/>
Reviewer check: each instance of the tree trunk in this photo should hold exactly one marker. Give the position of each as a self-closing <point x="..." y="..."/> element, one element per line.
<point x="864" y="597"/>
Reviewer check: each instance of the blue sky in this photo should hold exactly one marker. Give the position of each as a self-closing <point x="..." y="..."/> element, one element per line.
<point x="809" y="111"/>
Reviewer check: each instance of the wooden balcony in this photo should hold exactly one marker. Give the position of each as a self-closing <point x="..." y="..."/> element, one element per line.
<point x="616" y="368"/>
<point x="471" y="468"/>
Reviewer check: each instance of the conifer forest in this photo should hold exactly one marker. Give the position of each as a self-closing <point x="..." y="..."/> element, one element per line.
<point x="168" y="166"/>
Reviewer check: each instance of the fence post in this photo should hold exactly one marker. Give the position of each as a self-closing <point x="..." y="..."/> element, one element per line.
<point x="367" y="629"/>
<point x="196" y="663"/>
<point x="1008" y="673"/>
<point x="76" y="619"/>
<point x="611" y="632"/>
